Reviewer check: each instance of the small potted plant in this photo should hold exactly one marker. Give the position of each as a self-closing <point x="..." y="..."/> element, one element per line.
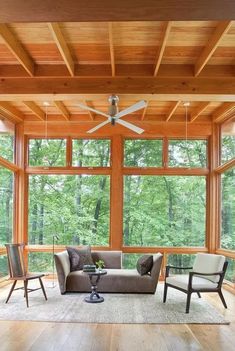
<point x="100" y="265"/>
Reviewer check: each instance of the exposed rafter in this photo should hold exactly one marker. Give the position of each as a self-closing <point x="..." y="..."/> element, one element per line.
<point x="198" y="110"/>
<point x="17" y="49"/>
<point x="144" y="112"/>
<point x="62" y="46"/>
<point x="221" y="112"/>
<point x="111" y="48"/>
<point x="165" y="35"/>
<point x="212" y="45"/>
<point x="63" y="109"/>
<point x="91" y="115"/>
<point x="35" y="109"/>
<point x="172" y="110"/>
<point x="11" y="111"/>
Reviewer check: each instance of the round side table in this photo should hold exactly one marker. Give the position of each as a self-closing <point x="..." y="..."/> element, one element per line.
<point x="94" y="277"/>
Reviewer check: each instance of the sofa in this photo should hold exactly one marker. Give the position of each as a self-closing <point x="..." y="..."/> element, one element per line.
<point x="117" y="279"/>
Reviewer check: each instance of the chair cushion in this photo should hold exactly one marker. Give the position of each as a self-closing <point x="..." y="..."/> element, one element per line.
<point x="181" y="281"/>
<point x="209" y="263"/>
<point x="78" y="257"/>
<point x="144" y="264"/>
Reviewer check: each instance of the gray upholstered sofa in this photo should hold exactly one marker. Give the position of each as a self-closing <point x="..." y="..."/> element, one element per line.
<point x="116" y="280"/>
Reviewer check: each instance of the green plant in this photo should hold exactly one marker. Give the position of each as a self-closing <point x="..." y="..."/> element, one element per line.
<point x="100" y="264"/>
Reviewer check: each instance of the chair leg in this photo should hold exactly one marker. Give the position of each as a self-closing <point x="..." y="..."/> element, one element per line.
<point x="222" y="298"/>
<point x="26" y="292"/>
<point x="11" y="291"/>
<point x="188" y="302"/>
<point x="42" y="286"/>
<point x="165" y="292"/>
<point x="198" y="294"/>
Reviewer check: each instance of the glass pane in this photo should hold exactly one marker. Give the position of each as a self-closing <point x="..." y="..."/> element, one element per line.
<point x="143" y="153"/>
<point x="228" y="210"/>
<point x="91" y="153"/>
<point x="3" y="266"/>
<point x="228" y="141"/>
<point x="76" y="208"/>
<point x="190" y="153"/>
<point x="180" y="260"/>
<point x="40" y="262"/>
<point x="7" y="131"/>
<point x="164" y="211"/>
<point x="47" y="152"/>
<point x="129" y="260"/>
<point x="230" y="273"/>
<point x="6" y="205"/>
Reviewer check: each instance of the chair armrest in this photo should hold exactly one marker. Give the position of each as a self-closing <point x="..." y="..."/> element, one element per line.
<point x="191" y="274"/>
<point x="168" y="267"/>
<point x="207" y="274"/>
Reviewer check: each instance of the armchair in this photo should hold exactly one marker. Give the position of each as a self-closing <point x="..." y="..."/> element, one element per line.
<point x="206" y="276"/>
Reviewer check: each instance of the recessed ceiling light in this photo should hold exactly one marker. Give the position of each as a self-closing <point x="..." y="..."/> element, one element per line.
<point x="186" y="103"/>
<point x="46" y="103"/>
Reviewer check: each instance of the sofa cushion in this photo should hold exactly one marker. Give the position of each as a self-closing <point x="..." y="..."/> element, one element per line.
<point x="78" y="257"/>
<point x="144" y="264"/>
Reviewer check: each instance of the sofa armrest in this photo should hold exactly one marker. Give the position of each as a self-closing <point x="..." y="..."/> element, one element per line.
<point x="155" y="271"/>
<point x="112" y="259"/>
<point x="63" y="269"/>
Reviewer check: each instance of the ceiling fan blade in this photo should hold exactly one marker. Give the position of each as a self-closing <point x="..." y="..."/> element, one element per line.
<point x="98" y="126"/>
<point x="85" y="107"/>
<point x="132" y="108"/>
<point x="130" y="126"/>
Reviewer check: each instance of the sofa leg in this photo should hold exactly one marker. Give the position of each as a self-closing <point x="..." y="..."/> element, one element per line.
<point x="165" y="292"/>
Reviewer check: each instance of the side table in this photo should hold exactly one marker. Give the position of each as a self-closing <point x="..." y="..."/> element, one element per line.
<point x="94" y="277"/>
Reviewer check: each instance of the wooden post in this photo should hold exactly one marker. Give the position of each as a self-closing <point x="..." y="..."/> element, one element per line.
<point x="116" y="192"/>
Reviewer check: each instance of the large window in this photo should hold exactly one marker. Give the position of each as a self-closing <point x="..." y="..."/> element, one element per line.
<point x="6" y="206"/>
<point x="91" y="153"/>
<point x="228" y="141"/>
<point x="228" y="209"/>
<point x="74" y="207"/>
<point x="188" y="153"/>
<point x="47" y="152"/>
<point x="143" y="153"/>
<point x="7" y="131"/>
<point x="164" y="211"/>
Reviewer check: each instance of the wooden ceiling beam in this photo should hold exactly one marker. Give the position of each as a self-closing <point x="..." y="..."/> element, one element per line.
<point x="212" y="45"/>
<point x="62" y="46"/>
<point x="198" y="110"/>
<point x="172" y="110"/>
<point x="35" y="109"/>
<point x="17" y="49"/>
<point x="207" y="89"/>
<point x="63" y="109"/>
<point x="165" y="35"/>
<point x="222" y="112"/>
<point x="111" y="48"/>
<point x="112" y="10"/>
<point x="121" y="70"/>
<point x="11" y="111"/>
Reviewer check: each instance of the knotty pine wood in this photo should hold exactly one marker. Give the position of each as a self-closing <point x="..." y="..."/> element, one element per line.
<point x="34" y="336"/>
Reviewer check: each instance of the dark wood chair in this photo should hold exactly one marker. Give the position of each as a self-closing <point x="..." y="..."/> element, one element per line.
<point x="17" y="271"/>
<point x="206" y="276"/>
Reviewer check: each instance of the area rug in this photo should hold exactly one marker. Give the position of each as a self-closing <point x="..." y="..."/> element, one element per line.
<point x="116" y="308"/>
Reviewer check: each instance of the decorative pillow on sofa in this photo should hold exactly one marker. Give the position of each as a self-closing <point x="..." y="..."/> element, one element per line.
<point x="78" y="257"/>
<point x="144" y="264"/>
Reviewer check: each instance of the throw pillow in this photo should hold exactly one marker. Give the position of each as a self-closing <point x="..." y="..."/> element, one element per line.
<point x="78" y="257"/>
<point x="144" y="264"/>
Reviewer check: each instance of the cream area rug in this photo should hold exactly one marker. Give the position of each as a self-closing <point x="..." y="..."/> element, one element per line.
<point x="116" y="308"/>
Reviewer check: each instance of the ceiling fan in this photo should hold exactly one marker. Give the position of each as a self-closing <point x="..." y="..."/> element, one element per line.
<point x="114" y="116"/>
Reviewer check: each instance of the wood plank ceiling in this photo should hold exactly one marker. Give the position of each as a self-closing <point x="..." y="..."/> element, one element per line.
<point x="164" y="62"/>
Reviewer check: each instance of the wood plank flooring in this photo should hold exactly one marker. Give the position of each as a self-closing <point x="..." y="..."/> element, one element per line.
<point x="37" y="336"/>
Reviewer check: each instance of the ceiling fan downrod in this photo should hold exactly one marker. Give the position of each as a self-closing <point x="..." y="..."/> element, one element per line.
<point x="113" y="108"/>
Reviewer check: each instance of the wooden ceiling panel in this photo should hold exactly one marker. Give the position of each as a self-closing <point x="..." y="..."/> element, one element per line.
<point x="6" y="57"/>
<point x="44" y="53"/>
<point x="86" y="33"/>
<point x="90" y="54"/>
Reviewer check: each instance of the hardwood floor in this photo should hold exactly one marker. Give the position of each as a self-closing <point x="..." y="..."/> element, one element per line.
<point x="24" y="336"/>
